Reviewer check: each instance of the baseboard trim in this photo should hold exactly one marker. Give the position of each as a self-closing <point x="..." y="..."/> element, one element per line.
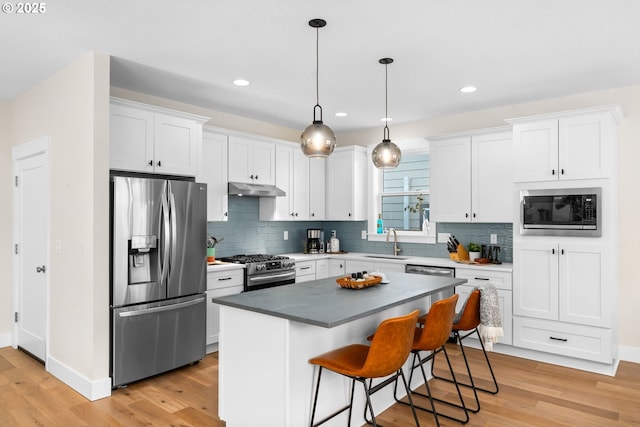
<point x="5" y="340"/>
<point x="629" y="354"/>
<point x="92" y="390"/>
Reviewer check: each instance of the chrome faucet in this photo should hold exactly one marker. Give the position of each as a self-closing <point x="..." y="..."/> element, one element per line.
<point x="396" y="249"/>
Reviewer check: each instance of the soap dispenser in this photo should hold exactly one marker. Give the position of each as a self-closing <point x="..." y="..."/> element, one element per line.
<point x="334" y="242"/>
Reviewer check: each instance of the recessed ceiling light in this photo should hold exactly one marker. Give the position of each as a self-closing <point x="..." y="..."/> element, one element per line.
<point x="386" y="119"/>
<point x="341" y="114"/>
<point x="241" y="82"/>
<point x="468" y="89"/>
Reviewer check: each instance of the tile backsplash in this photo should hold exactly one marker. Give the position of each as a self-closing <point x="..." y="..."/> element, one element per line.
<point x="244" y="233"/>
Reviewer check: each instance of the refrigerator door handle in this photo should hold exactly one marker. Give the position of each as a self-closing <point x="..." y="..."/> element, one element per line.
<point x="165" y="237"/>
<point x="160" y="309"/>
<point x="174" y="228"/>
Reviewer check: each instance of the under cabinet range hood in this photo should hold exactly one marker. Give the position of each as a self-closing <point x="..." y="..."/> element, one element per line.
<point x="254" y="190"/>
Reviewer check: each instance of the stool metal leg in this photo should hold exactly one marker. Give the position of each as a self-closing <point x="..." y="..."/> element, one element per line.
<point x="339" y="411"/>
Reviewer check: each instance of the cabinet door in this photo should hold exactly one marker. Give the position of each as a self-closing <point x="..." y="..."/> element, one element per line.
<point x="339" y="186"/>
<point x="535" y="151"/>
<point x="535" y="281"/>
<point x="131" y="139"/>
<point x="451" y="180"/>
<point x="283" y="206"/>
<point x="240" y="159"/>
<point x="300" y="185"/>
<point x="506" y="310"/>
<point x="213" y="311"/>
<point x="492" y="178"/>
<point x="585" y="284"/>
<point x="336" y="267"/>
<point x="317" y="189"/>
<point x="264" y="162"/>
<point x="178" y="143"/>
<point x="585" y="147"/>
<point x="214" y="174"/>
<point x="322" y="269"/>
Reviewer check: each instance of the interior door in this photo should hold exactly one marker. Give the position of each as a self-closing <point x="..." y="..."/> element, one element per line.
<point x="31" y="228"/>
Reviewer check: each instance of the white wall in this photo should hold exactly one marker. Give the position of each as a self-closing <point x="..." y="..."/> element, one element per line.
<point x="629" y="154"/>
<point x="5" y="226"/>
<point x="72" y="108"/>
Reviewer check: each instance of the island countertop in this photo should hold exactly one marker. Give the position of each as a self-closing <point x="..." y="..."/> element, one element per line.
<point x="323" y="303"/>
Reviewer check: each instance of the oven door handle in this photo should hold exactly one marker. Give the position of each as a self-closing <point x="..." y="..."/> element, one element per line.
<point x="272" y="277"/>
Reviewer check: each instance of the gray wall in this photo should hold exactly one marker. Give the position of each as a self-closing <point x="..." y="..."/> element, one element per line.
<point x="245" y="233"/>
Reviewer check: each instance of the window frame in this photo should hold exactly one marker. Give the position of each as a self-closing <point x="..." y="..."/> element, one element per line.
<point x="375" y="175"/>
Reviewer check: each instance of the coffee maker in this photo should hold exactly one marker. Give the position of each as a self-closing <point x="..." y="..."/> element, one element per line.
<point x="313" y="240"/>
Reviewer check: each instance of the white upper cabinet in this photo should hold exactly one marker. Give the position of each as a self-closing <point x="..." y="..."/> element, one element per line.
<point x="471" y="177"/>
<point x="251" y="160"/>
<point x="565" y="146"/>
<point x="150" y="139"/>
<point x="346" y="195"/>
<point x="292" y="176"/>
<point x="213" y="172"/>
<point x="317" y="189"/>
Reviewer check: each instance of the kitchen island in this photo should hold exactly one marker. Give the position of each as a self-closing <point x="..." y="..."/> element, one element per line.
<point x="268" y="336"/>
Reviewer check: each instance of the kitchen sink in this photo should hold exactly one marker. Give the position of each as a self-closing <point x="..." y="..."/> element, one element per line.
<point x="386" y="257"/>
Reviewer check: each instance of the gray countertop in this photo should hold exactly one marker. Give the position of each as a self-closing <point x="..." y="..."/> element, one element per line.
<point x="323" y="303"/>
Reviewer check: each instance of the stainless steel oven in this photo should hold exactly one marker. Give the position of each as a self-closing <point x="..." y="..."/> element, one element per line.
<point x="561" y="212"/>
<point x="265" y="271"/>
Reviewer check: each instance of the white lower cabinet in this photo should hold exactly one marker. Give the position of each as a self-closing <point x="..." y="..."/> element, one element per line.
<point x="563" y="298"/>
<point x="220" y="284"/>
<point x="305" y="271"/>
<point x="322" y="268"/>
<point x="502" y="282"/>
<point x="336" y="267"/>
<point x="354" y="266"/>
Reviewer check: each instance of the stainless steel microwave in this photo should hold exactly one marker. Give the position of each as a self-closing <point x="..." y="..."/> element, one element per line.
<point x="561" y="212"/>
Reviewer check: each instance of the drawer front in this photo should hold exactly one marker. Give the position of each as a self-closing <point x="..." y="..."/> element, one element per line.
<point x="477" y="277"/>
<point x="225" y="278"/>
<point x="305" y="268"/>
<point x="584" y="342"/>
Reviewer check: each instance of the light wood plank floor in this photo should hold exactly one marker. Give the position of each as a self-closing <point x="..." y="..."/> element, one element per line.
<point x="531" y="394"/>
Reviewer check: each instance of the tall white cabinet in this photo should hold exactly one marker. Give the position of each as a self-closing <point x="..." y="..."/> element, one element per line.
<point x="565" y="288"/>
<point x="145" y="138"/>
<point x="471" y="176"/>
<point x="346" y="180"/>
<point x="213" y="171"/>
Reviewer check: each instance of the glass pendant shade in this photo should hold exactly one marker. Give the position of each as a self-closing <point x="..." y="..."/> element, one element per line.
<point x="317" y="140"/>
<point x="386" y="155"/>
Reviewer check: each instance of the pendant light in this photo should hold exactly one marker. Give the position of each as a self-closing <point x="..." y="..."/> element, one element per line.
<point x="386" y="155"/>
<point x="317" y="140"/>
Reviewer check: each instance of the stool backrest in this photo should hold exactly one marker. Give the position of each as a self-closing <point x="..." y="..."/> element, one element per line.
<point x="390" y="346"/>
<point x="437" y="325"/>
<point x="470" y="316"/>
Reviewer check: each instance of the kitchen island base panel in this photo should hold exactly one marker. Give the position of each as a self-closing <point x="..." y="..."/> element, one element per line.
<point x="265" y="377"/>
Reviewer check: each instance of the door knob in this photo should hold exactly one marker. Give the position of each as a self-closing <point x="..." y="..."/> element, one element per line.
<point x="41" y="269"/>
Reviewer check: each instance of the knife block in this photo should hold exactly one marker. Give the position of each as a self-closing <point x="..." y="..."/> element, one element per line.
<point x="461" y="254"/>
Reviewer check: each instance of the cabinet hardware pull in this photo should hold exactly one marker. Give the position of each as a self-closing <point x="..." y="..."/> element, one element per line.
<point x="553" y="251"/>
<point x="561" y="251"/>
<point x="159" y="163"/>
<point x="313" y="214"/>
<point x="251" y="176"/>
<point x="474" y="214"/>
<point x="41" y="269"/>
<point x="553" y="171"/>
<point x="558" y="339"/>
<point x="305" y="268"/>
<point x="224" y="278"/>
<point x="481" y="278"/>
<point x="466" y="215"/>
<point x="562" y="171"/>
<point x="150" y="162"/>
<point x="226" y="214"/>
<point x="256" y="176"/>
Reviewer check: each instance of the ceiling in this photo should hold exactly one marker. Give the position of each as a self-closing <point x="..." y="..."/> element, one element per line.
<point x="514" y="51"/>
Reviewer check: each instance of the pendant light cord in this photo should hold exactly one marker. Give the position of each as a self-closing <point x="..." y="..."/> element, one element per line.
<point x="385" y="135"/>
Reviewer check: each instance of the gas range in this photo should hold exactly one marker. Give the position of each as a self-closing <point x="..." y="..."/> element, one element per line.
<point x="265" y="271"/>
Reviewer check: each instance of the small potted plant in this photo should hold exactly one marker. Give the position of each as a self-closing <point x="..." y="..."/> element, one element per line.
<point x="474" y="251"/>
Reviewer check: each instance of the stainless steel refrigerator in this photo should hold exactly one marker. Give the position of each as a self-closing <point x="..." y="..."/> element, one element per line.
<point x="158" y="276"/>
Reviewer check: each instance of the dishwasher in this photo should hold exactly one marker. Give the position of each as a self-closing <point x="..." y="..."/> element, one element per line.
<point x="429" y="270"/>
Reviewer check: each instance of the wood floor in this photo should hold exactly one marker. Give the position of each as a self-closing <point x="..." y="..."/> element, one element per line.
<point x="531" y="394"/>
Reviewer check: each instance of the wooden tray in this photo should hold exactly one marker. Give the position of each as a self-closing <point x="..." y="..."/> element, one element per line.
<point x="346" y="282"/>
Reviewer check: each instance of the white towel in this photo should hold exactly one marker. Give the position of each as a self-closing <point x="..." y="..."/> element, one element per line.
<point x="490" y="328"/>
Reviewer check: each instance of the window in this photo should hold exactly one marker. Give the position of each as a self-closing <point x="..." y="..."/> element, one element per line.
<point x="401" y="196"/>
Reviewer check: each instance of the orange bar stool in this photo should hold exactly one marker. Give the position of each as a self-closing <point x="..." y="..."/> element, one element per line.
<point x="467" y="325"/>
<point x="385" y="356"/>
<point x="432" y="338"/>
